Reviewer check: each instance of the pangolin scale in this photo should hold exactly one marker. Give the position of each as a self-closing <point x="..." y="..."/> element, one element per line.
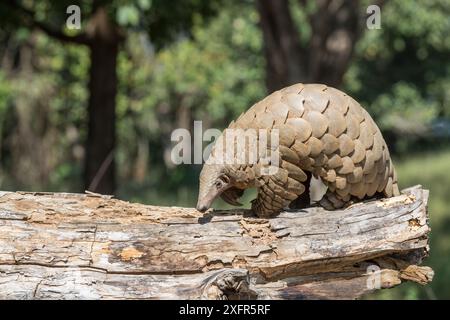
<point x="322" y="132"/>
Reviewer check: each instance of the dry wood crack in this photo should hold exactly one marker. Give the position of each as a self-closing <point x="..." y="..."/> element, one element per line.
<point x="60" y="245"/>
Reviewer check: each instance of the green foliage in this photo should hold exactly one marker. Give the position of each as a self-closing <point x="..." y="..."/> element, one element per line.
<point x="5" y="95"/>
<point x="42" y="112"/>
<point x="401" y="72"/>
<point x="403" y="108"/>
<point x="127" y="15"/>
<point x="212" y="76"/>
<point x="219" y="71"/>
<point x="171" y="20"/>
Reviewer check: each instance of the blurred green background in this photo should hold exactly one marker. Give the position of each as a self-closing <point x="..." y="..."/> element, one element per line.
<point x="99" y="103"/>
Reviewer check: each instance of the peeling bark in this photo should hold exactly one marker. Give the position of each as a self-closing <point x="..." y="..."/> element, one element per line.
<point x="87" y="246"/>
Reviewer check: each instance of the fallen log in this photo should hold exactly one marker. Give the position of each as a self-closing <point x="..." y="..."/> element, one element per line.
<point x="89" y="246"/>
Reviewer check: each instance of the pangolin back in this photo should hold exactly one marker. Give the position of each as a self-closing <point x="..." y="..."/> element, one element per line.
<point x="326" y="132"/>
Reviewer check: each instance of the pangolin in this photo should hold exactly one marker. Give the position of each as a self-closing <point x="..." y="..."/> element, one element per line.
<point x="321" y="132"/>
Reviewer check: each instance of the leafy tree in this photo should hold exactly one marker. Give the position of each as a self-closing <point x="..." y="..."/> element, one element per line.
<point x="401" y="72"/>
<point x="212" y="76"/>
<point x="103" y="32"/>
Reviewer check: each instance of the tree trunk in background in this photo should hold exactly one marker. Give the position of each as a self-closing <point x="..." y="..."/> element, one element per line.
<point x="99" y="173"/>
<point x="281" y="45"/>
<point x="335" y="27"/>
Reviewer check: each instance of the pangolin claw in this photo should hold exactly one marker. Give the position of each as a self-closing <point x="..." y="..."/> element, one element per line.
<point x="230" y="196"/>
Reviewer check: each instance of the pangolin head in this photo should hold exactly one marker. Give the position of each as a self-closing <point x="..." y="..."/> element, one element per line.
<point x="217" y="180"/>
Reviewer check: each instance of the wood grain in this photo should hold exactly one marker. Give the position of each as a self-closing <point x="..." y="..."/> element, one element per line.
<point x="87" y="246"/>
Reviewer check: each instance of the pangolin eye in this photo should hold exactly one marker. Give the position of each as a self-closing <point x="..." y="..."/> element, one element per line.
<point x="224" y="179"/>
<point x="218" y="184"/>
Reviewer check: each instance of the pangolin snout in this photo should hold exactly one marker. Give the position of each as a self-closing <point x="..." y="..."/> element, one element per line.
<point x="202" y="207"/>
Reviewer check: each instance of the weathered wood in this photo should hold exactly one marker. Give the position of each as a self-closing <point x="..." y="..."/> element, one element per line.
<point x="78" y="246"/>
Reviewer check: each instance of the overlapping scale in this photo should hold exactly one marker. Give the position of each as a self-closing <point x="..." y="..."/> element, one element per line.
<point x="326" y="132"/>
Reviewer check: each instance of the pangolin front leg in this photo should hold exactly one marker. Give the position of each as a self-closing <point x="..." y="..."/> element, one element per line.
<point x="277" y="191"/>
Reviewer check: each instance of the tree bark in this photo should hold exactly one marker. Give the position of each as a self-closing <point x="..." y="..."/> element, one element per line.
<point x="74" y="246"/>
<point x="99" y="175"/>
